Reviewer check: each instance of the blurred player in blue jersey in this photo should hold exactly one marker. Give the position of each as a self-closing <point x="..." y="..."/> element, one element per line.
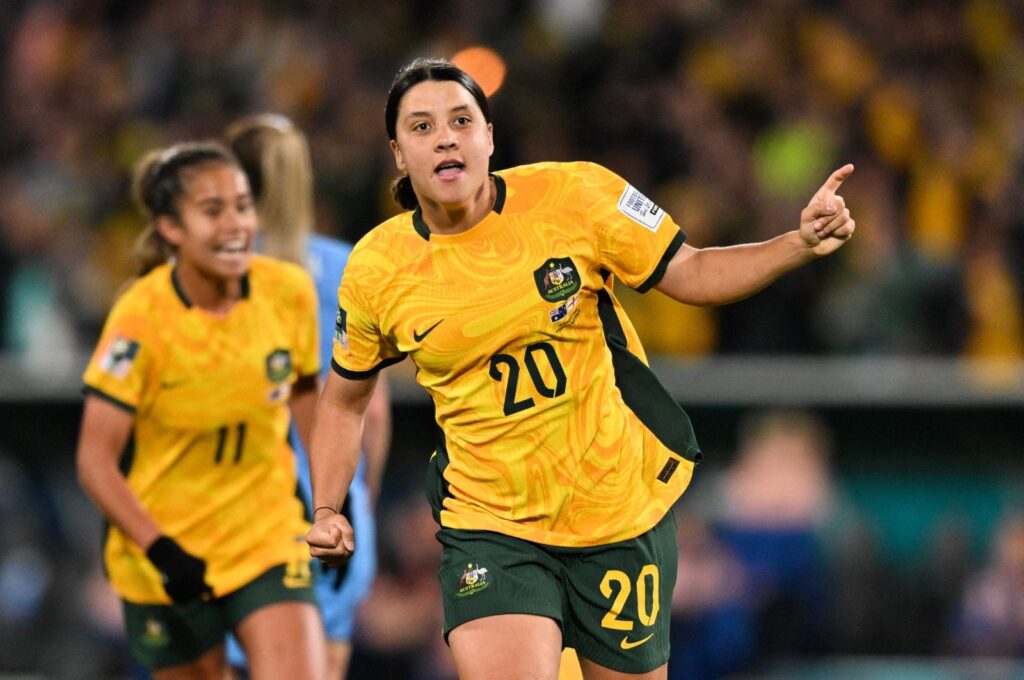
<point x="275" y="155"/>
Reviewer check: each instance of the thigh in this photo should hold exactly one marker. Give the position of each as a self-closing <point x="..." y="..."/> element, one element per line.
<point x="485" y="574"/>
<point x="284" y="640"/>
<point x="620" y="599"/>
<point x="174" y="635"/>
<point x="507" y="647"/>
<point x="277" y="610"/>
<point x="210" y="666"/>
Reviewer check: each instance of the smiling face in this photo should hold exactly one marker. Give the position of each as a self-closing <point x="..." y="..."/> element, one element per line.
<point x="216" y="222"/>
<point x="443" y="143"/>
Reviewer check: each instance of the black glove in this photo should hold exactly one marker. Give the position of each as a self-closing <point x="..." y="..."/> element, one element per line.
<point x="340" y="572"/>
<point x="184" y="575"/>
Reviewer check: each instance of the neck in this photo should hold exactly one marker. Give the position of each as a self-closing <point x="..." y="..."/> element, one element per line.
<point x="455" y="219"/>
<point x="213" y="294"/>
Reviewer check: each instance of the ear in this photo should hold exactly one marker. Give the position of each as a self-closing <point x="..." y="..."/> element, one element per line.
<point x="169" y="228"/>
<point x="490" y="140"/>
<point x="399" y="162"/>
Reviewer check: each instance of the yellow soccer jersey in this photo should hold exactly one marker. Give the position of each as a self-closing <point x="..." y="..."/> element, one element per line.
<point x="211" y="461"/>
<point x="554" y="429"/>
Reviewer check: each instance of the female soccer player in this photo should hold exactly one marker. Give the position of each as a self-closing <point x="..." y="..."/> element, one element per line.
<point x="275" y="156"/>
<point x="559" y="454"/>
<point x="193" y="376"/>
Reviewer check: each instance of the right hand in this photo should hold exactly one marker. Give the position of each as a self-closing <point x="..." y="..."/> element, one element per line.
<point x="331" y="538"/>
<point x="183" y="574"/>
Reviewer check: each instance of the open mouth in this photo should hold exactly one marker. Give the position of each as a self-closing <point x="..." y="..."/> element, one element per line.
<point x="449" y="169"/>
<point x="236" y="247"/>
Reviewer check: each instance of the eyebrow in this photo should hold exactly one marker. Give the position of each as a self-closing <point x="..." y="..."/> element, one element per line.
<point x="462" y="108"/>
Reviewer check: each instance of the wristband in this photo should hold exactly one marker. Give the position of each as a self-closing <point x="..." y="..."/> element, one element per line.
<point x="323" y="507"/>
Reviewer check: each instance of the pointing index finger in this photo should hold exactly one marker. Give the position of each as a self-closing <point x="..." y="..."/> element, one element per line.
<point x="836" y="179"/>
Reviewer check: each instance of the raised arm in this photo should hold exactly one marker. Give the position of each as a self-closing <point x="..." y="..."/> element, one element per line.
<point x="333" y="458"/>
<point x="714" y="276"/>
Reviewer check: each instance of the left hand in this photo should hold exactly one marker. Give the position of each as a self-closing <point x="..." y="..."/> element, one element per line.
<point x="825" y="224"/>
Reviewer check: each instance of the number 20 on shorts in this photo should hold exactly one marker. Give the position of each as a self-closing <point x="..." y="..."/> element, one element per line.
<point x="616" y="584"/>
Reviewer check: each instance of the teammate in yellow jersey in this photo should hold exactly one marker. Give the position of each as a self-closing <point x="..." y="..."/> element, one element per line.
<point x="559" y="454"/>
<point x="197" y="365"/>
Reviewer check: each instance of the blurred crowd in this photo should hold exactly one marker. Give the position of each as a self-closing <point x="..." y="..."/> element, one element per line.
<point x="728" y="114"/>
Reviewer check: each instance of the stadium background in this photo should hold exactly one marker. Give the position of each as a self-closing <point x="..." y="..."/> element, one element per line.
<point x="878" y="536"/>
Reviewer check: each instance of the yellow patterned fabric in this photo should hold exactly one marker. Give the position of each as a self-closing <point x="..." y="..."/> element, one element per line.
<point x="211" y="461"/>
<point x="511" y="327"/>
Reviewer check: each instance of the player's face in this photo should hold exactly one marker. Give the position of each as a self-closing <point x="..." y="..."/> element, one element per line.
<point x="217" y="222"/>
<point x="443" y="142"/>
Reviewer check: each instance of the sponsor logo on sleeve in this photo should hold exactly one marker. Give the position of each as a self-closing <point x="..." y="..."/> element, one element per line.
<point x="640" y="209"/>
<point x="120" y="355"/>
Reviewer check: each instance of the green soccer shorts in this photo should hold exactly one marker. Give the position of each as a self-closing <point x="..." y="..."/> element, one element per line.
<point x="613" y="602"/>
<point x="160" y="636"/>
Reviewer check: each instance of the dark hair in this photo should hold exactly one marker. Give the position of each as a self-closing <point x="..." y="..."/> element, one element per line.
<point x="158" y="185"/>
<point x="412" y="74"/>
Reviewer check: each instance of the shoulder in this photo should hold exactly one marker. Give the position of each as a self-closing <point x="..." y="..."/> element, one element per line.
<point x="150" y="293"/>
<point x="278" y="276"/>
<point x="565" y="171"/>
<point x="391" y="241"/>
<point x="555" y="186"/>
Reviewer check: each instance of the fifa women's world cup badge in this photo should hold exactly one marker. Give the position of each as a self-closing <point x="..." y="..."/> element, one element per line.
<point x="473" y="580"/>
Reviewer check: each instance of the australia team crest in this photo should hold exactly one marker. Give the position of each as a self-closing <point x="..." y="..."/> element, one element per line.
<point x="557" y="279"/>
<point x="279" y="365"/>
<point x="473" y="580"/>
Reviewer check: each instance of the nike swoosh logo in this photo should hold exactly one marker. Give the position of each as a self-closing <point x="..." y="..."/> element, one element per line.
<point x="418" y="337"/>
<point x="626" y="644"/>
<point x="171" y="384"/>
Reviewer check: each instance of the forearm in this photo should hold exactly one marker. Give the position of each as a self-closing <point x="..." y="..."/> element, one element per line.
<point x="715" y="276"/>
<point x="334" y="450"/>
<point x="102" y="439"/>
<point x="376" y="440"/>
<point x="303" y="406"/>
<point x="110" y="491"/>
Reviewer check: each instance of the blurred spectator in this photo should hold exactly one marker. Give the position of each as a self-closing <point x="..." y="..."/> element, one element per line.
<point x="713" y="628"/>
<point x="774" y="502"/>
<point x="991" y="616"/>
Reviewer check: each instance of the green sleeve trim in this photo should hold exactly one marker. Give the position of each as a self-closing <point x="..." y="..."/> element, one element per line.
<point x="363" y="375"/>
<point x="90" y="390"/>
<point x="659" y="271"/>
